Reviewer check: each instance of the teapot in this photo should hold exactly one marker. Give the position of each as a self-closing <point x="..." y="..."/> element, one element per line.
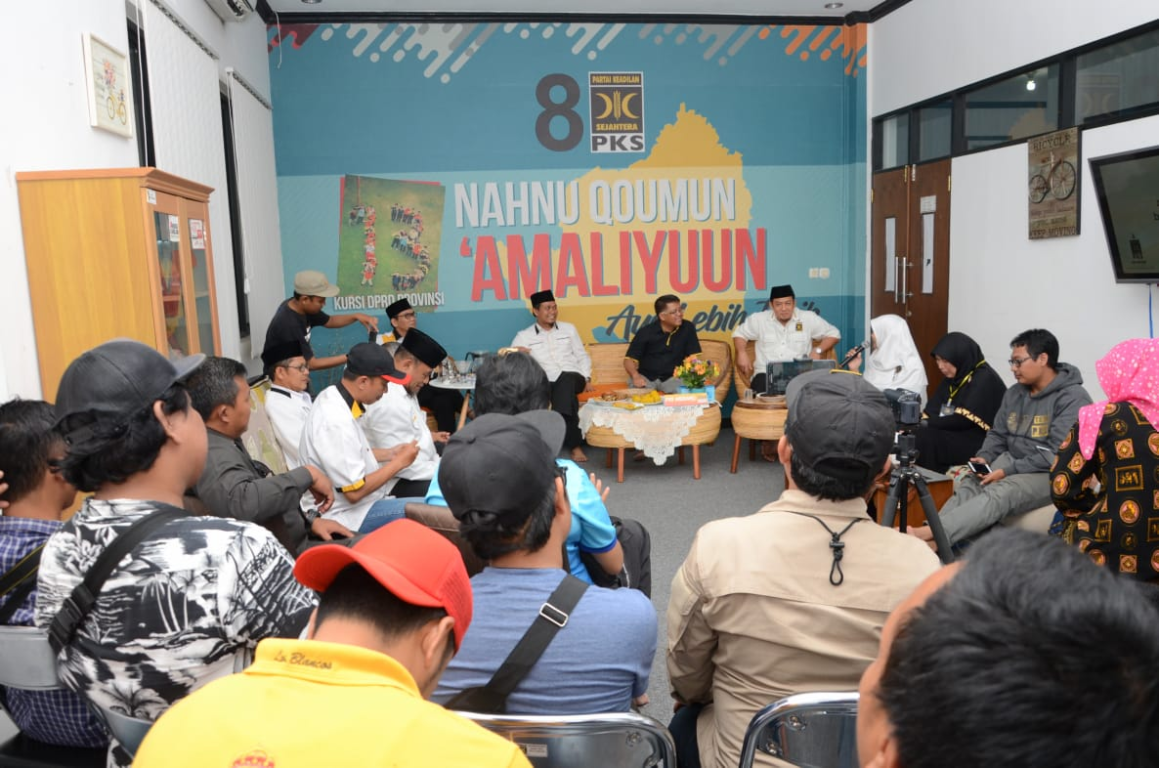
<point x="476" y="359"/>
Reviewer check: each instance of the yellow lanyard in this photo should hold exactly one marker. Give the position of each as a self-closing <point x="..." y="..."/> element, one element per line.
<point x="954" y="390"/>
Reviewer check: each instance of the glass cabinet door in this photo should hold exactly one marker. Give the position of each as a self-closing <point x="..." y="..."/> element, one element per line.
<point x="199" y="268"/>
<point x="175" y="313"/>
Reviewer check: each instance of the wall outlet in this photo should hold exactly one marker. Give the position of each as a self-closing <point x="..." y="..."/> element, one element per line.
<point x="824" y="273"/>
<point x="814" y="272"/>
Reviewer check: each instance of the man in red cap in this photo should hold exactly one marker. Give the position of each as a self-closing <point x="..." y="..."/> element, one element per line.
<point x="393" y="611"/>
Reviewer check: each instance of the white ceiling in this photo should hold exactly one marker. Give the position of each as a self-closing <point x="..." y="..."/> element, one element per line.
<point x="695" y="8"/>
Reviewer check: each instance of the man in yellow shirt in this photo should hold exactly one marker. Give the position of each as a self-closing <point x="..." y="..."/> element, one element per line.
<point x="393" y="611"/>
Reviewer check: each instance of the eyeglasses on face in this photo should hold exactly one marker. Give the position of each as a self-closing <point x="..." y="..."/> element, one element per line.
<point x="1016" y="362"/>
<point x="302" y="367"/>
<point x="673" y="311"/>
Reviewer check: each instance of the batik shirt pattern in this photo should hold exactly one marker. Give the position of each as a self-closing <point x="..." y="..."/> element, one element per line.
<point x="175" y="613"/>
<point x="1117" y="525"/>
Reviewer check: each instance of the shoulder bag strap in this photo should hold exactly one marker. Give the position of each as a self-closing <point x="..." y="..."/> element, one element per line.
<point x="18" y="582"/>
<point x="553" y="616"/>
<point x="74" y="609"/>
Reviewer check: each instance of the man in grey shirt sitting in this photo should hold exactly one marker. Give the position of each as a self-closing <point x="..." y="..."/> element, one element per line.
<point x="234" y="485"/>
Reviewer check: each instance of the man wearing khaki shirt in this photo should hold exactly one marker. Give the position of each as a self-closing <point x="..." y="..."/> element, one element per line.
<point x="793" y="598"/>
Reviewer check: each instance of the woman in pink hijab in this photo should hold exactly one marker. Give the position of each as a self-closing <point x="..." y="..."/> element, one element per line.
<point x="1105" y="480"/>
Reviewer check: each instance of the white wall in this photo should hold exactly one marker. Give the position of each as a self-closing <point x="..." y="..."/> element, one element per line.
<point x="50" y="131"/>
<point x="1000" y="281"/>
<point x="930" y="47"/>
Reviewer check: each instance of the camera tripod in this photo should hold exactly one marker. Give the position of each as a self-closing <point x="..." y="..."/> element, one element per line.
<point x="904" y="475"/>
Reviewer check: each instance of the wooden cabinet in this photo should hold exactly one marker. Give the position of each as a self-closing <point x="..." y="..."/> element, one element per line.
<point x="122" y="252"/>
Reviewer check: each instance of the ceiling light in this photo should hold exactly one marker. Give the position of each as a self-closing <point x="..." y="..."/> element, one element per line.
<point x="311" y="2"/>
<point x="834" y="6"/>
<point x="1030" y="84"/>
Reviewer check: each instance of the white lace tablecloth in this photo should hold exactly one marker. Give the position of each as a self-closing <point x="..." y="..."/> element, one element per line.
<point x="656" y="430"/>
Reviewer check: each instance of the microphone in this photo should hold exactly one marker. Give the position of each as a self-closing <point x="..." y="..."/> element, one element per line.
<point x="852" y="354"/>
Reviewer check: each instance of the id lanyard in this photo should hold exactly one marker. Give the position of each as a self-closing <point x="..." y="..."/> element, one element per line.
<point x="948" y="406"/>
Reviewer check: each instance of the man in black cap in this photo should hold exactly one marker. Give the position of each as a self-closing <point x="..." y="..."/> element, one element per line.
<point x="398" y="419"/>
<point x="781" y="333"/>
<point x="333" y="441"/>
<point x="556" y="346"/>
<point x="288" y="399"/>
<point x="793" y="598"/>
<point x="196" y="591"/>
<point x="502" y="484"/>
<point x="298" y="315"/>
<point x="444" y="404"/>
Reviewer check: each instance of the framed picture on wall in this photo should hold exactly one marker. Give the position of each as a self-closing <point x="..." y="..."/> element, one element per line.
<point x="1053" y="162"/>
<point x="109" y="89"/>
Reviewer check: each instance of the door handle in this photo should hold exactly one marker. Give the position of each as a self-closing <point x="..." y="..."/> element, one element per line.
<point x="905" y="294"/>
<point x="896" y="281"/>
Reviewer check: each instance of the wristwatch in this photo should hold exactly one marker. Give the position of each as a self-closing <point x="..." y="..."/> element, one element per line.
<point x="310" y="515"/>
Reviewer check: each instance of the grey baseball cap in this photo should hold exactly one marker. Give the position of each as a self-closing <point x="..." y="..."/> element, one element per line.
<point x="502" y="465"/>
<point x="108" y="384"/>
<point x="839" y="424"/>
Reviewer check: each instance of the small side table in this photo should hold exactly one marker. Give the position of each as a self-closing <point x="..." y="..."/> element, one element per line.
<point x="757" y="419"/>
<point x="465" y="384"/>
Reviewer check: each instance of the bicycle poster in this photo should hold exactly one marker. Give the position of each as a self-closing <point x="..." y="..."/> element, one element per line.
<point x="1053" y="162"/>
<point x="110" y="90"/>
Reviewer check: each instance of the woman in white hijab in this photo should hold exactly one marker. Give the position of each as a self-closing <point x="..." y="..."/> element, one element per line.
<point x="894" y="362"/>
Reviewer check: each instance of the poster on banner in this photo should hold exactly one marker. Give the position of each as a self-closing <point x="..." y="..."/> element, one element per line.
<point x="466" y="166"/>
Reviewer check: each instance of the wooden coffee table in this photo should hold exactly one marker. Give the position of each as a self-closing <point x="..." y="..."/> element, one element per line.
<point x="941" y="489"/>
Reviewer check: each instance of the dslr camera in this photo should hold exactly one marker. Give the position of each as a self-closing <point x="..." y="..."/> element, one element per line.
<point x="907" y="407"/>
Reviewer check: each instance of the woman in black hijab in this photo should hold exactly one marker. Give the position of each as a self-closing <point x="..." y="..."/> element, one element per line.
<point x="962" y="409"/>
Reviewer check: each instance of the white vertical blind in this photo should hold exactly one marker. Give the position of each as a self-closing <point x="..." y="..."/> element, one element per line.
<point x="186" y="106"/>
<point x="253" y="141"/>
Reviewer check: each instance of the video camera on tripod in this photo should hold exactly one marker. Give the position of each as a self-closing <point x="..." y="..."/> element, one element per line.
<point x="907" y="408"/>
<point x="907" y="415"/>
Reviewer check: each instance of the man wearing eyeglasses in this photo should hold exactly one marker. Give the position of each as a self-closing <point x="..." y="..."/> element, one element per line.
<point x="1012" y="469"/>
<point x="288" y="400"/>
<point x="660" y="346"/>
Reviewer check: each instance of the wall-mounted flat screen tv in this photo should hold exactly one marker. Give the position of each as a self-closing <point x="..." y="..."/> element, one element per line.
<point x="1127" y="185"/>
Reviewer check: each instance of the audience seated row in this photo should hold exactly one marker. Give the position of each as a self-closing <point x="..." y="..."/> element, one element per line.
<point x="786" y="600"/>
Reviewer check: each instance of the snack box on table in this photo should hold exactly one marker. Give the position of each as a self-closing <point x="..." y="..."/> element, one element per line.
<point x="686" y="398"/>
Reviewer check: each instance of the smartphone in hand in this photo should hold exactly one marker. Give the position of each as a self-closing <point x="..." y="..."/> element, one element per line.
<point x="980" y="467"/>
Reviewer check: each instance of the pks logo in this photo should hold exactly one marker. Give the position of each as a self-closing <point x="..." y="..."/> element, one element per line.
<point x="616" y="104"/>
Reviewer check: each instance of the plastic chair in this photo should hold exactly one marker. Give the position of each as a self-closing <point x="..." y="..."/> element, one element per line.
<point x="808" y="730"/>
<point x="129" y="731"/>
<point x="27" y="662"/>
<point x="618" y="740"/>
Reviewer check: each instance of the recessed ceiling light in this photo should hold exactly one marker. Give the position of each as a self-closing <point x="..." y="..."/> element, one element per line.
<point x="828" y="6"/>
<point x="311" y="2"/>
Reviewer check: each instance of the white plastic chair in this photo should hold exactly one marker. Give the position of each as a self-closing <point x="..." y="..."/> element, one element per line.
<point x="808" y="730"/>
<point x="618" y="740"/>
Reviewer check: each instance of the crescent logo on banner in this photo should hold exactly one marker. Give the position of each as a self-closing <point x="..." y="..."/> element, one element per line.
<point x="617" y="111"/>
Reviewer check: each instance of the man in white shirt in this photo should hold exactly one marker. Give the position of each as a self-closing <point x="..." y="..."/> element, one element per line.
<point x="556" y="346"/>
<point x="445" y="404"/>
<point x="781" y="333"/>
<point x="333" y="441"/>
<point x="288" y="400"/>
<point x="397" y="418"/>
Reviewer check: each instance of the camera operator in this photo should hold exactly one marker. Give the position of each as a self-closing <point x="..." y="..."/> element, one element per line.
<point x="1012" y="472"/>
